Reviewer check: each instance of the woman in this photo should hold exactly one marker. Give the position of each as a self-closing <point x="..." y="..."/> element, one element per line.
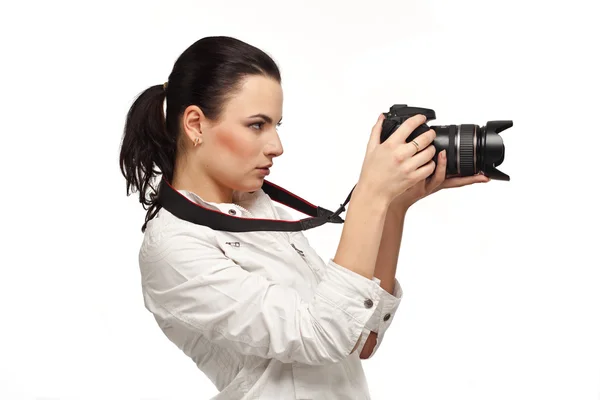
<point x="260" y="313"/>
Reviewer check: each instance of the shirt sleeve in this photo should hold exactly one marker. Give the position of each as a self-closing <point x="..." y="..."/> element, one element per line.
<point x="188" y="282"/>
<point x="383" y="316"/>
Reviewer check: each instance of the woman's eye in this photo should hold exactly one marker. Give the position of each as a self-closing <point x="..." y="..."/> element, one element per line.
<point x="259" y="125"/>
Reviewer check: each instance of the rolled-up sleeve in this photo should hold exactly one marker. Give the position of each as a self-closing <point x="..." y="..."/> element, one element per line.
<point x="383" y="316"/>
<point x="189" y="282"/>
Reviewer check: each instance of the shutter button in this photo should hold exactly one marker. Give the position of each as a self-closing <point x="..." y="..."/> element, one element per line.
<point x="232" y="212"/>
<point x="368" y="303"/>
<point x="387" y="316"/>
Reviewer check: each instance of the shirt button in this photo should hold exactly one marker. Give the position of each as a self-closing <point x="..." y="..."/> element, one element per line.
<point x="232" y="212"/>
<point x="387" y="316"/>
<point x="368" y="303"/>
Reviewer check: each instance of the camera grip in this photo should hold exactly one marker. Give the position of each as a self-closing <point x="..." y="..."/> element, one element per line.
<point x="389" y="126"/>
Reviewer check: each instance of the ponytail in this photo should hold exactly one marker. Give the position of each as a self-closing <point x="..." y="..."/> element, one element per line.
<point x="147" y="148"/>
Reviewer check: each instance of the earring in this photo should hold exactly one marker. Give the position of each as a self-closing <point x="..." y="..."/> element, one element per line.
<point x="196" y="141"/>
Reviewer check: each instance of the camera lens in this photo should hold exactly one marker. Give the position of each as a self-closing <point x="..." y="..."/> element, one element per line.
<point x="471" y="148"/>
<point x="460" y="143"/>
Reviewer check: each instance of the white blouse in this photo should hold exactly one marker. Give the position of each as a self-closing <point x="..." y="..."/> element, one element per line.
<point x="260" y="313"/>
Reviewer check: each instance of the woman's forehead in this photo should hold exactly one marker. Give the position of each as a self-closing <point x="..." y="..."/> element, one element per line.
<point x="258" y="95"/>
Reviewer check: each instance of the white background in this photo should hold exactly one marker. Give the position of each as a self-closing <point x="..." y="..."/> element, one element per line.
<point x="501" y="280"/>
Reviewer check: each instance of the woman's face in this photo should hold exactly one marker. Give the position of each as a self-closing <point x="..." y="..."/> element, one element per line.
<point x="245" y="138"/>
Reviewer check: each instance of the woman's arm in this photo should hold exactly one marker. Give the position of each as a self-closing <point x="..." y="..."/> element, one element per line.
<point x="385" y="271"/>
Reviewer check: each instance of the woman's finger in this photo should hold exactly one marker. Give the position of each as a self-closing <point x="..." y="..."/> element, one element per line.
<point x="440" y="173"/>
<point x="420" y="158"/>
<point x="417" y="146"/>
<point x="398" y="137"/>
<point x="465" y="180"/>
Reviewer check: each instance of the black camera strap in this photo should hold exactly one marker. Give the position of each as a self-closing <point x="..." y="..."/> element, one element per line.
<point x="182" y="207"/>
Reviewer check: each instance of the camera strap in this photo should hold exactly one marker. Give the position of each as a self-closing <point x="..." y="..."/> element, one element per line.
<point x="182" y="207"/>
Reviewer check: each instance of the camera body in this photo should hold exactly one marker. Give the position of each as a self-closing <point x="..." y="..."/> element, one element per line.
<point x="470" y="148"/>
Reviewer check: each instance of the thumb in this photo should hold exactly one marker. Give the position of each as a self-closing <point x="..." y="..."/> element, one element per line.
<point x="375" y="139"/>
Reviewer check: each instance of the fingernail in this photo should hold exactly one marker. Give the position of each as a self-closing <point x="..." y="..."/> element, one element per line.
<point x="444" y="154"/>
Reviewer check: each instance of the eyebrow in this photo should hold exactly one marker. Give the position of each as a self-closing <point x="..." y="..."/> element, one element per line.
<point x="265" y="117"/>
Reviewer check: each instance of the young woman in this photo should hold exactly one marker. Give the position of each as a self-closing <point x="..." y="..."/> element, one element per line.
<point x="260" y="313"/>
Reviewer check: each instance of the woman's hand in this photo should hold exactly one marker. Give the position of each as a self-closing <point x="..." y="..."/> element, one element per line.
<point x="391" y="167"/>
<point x="432" y="184"/>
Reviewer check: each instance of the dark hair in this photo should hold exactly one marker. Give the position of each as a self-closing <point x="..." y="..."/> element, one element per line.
<point x="207" y="74"/>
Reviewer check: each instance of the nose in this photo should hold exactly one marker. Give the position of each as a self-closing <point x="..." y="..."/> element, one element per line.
<point x="274" y="148"/>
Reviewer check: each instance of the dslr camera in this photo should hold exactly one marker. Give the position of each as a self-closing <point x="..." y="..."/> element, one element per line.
<point x="470" y="148"/>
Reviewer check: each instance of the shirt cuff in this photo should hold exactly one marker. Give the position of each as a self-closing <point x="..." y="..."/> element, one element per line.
<point x="382" y="317"/>
<point x="386" y="309"/>
<point x="353" y="294"/>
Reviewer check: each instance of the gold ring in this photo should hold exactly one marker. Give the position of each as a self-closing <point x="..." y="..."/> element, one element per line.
<point x="416" y="145"/>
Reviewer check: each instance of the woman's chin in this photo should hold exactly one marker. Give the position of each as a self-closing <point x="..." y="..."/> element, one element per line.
<point x="251" y="186"/>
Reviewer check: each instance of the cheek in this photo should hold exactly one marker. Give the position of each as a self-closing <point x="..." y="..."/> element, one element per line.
<point x="234" y="145"/>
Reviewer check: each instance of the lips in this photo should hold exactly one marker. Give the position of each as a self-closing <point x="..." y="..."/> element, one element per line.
<point x="264" y="171"/>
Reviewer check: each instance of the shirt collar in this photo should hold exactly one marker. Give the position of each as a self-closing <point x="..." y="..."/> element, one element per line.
<point x="250" y="201"/>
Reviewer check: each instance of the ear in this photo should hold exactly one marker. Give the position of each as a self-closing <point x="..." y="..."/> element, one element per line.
<point x="192" y="121"/>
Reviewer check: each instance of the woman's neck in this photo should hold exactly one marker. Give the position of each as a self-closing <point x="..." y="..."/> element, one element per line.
<point x="199" y="183"/>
